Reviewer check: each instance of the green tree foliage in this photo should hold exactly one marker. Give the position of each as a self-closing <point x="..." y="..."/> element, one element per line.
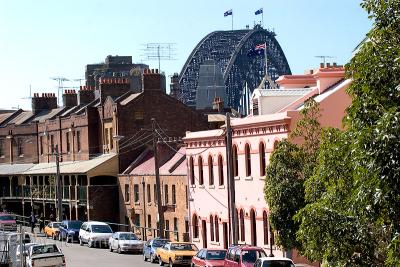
<point x="290" y="164"/>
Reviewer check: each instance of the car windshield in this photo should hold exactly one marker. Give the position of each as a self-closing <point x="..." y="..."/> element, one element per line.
<point x="74" y="225"/>
<point x="127" y="237"/>
<point x="56" y="225"/>
<point x="183" y="247"/>
<point x="250" y="256"/>
<point x="216" y="255"/>
<point x="43" y="249"/>
<point x="101" y="229"/>
<point x="277" y="263"/>
<point x="157" y="243"/>
<point x="6" y="218"/>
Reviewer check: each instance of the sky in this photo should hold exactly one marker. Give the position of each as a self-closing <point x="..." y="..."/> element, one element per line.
<point x="41" y="39"/>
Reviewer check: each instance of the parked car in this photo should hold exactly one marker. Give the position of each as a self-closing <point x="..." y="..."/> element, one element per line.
<point x="8" y="222"/>
<point x="150" y="247"/>
<point x="69" y="231"/>
<point x="176" y="253"/>
<point x="243" y="256"/>
<point x="45" y="255"/>
<point x="125" y="242"/>
<point x="209" y="257"/>
<point x="25" y="250"/>
<point x="274" y="262"/>
<point x="95" y="234"/>
<point x="51" y="229"/>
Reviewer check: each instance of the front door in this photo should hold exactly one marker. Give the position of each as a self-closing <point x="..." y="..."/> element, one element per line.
<point x="225" y="233"/>
<point x="204" y="232"/>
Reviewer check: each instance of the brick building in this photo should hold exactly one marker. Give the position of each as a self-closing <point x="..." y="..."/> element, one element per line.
<point x="138" y="201"/>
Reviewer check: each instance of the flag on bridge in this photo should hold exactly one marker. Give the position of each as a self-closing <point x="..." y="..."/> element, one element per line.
<point x="258" y="12"/>
<point x="258" y="50"/>
<point x="228" y="13"/>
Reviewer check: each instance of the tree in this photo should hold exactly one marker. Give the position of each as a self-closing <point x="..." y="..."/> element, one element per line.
<point x="290" y="165"/>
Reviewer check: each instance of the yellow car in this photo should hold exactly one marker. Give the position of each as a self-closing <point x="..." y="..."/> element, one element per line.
<point x="176" y="253"/>
<point x="51" y="230"/>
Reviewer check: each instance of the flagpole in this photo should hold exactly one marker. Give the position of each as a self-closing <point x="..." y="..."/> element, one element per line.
<point x="232" y="20"/>
<point x="266" y="59"/>
<point x="262" y="18"/>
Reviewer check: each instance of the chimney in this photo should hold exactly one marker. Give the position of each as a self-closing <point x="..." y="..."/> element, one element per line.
<point x="218" y="104"/>
<point x="113" y="87"/>
<point x="153" y="81"/>
<point x="86" y="95"/>
<point x="70" y="98"/>
<point x="328" y="65"/>
<point x="47" y="101"/>
<point x="322" y="65"/>
<point x="334" y="64"/>
<point x="174" y="86"/>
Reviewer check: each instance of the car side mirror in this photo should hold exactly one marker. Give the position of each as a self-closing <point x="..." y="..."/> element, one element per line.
<point x="116" y="238"/>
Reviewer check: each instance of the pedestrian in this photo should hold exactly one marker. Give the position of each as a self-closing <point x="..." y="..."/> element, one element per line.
<point x="32" y="220"/>
<point x="51" y="217"/>
<point x="41" y="222"/>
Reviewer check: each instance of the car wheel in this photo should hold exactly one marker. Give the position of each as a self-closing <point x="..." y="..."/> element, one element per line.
<point x="59" y="237"/>
<point x="144" y="257"/>
<point x="80" y="242"/>
<point x="171" y="264"/>
<point x="54" y="237"/>
<point x="192" y="265"/>
<point x="160" y="261"/>
<point x="90" y="243"/>
<point x="119" y="250"/>
<point x="110" y="248"/>
<point x="68" y="239"/>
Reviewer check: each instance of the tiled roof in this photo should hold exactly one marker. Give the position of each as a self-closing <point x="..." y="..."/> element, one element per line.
<point x="146" y="166"/>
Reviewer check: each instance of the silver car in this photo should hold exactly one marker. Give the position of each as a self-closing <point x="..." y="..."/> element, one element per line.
<point x="125" y="242"/>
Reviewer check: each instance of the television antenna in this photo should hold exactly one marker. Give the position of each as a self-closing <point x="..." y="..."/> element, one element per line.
<point x="159" y="51"/>
<point x="60" y="86"/>
<point x="30" y="94"/>
<point x="324" y="57"/>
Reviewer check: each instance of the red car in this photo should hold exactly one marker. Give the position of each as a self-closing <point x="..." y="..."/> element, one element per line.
<point x="209" y="257"/>
<point x="7" y="222"/>
<point x="243" y="256"/>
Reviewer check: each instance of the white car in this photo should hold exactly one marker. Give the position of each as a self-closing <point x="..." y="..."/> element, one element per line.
<point x="274" y="261"/>
<point x="44" y="255"/>
<point x="125" y="242"/>
<point x="95" y="234"/>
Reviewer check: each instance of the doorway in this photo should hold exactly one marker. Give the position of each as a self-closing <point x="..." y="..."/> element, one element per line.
<point x="225" y="234"/>
<point x="253" y="227"/>
<point x="204" y="232"/>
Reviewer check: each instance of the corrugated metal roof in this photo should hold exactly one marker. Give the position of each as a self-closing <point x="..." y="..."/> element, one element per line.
<point x="129" y="98"/>
<point x="10" y="169"/>
<point x="285" y="92"/>
<point x="147" y="165"/>
<point x="48" y="114"/>
<point x="21" y="118"/>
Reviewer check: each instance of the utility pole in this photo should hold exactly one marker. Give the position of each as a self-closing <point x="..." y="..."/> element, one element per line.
<point x="144" y="209"/>
<point x="231" y="181"/>
<point x="158" y="183"/>
<point x="58" y="191"/>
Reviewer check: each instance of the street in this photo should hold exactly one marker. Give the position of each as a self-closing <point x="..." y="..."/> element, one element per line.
<point x="78" y="256"/>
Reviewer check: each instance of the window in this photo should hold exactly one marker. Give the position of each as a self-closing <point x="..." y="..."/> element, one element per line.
<point x="148" y="194"/>
<point x="191" y="169"/>
<point x="1" y="147"/>
<point x="52" y="143"/>
<point x="149" y="220"/>
<point x="265" y="227"/>
<point x="195" y="226"/>
<point x="235" y="161"/>
<point x="138" y="115"/>
<point x="41" y="144"/>
<point x="136" y="219"/>
<point x="247" y="159"/>
<point x="176" y="224"/>
<point x="216" y="228"/>
<point x="187" y="197"/>
<point x="255" y="106"/>
<point x="78" y="141"/>
<point x="166" y="194"/>
<point x="220" y="170"/>
<point x="173" y="195"/>
<point x="210" y="171"/>
<point x="111" y="139"/>
<point x="155" y="194"/>
<point x="242" y="228"/>
<point x="136" y="192"/>
<point x="20" y="147"/>
<point x="261" y="151"/>
<point x="167" y="229"/>
<point x="212" y="228"/>
<point x="106" y="142"/>
<point x="68" y="142"/>
<point x="127" y="193"/>
<point x="201" y="178"/>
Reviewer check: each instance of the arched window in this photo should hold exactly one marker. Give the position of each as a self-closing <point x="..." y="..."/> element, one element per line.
<point x="216" y="228"/>
<point x="201" y="177"/>
<point x="247" y="159"/>
<point x="220" y="170"/>
<point x="210" y="170"/>
<point x="265" y="227"/>
<point x="191" y="169"/>
<point x="211" y="228"/>
<point x="235" y="161"/>
<point x="242" y="228"/>
<point x="276" y="142"/>
<point x="261" y="152"/>
<point x="237" y="224"/>
<point x="195" y="226"/>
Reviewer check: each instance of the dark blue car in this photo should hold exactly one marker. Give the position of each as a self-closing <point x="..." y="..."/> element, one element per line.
<point x="150" y="247"/>
<point x="69" y="231"/>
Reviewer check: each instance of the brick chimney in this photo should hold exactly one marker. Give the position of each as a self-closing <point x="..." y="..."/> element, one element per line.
<point x="86" y="95"/>
<point x="45" y="102"/>
<point x="153" y="81"/>
<point x="113" y="87"/>
<point x="70" y="98"/>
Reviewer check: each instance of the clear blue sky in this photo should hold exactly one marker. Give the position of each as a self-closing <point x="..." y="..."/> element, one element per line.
<point x="46" y="38"/>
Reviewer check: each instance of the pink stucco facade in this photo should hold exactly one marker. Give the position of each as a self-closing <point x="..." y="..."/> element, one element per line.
<point x="253" y="139"/>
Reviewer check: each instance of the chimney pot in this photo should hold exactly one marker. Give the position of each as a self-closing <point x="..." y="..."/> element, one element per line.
<point x="321" y="65"/>
<point x="157" y="71"/>
<point x="328" y="65"/>
<point x="334" y="64"/>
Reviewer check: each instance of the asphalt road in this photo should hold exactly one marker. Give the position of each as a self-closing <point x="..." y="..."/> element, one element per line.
<point x="82" y="256"/>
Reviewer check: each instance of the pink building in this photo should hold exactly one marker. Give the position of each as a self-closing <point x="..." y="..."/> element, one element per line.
<point x="275" y="112"/>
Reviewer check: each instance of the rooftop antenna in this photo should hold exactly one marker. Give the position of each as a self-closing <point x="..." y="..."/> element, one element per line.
<point x="30" y="93"/>
<point x="324" y="58"/>
<point x="159" y="51"/>
<point x="60" y="86"/>
<point x="78" y="80"/>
